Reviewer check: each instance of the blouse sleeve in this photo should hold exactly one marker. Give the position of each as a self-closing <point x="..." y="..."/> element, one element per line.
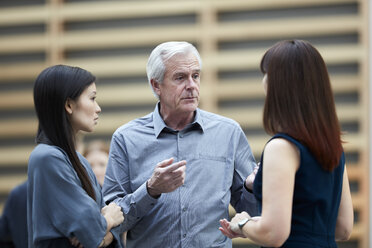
<point x="58" y="198"/>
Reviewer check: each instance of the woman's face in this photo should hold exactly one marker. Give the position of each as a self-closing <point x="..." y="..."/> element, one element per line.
<point x="84" y="111"/>
<point x="98" y="160"/>
<point x="264" y="83"/>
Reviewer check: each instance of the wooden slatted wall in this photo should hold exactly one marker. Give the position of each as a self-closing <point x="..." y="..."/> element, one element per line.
<point x="114" y="38"/>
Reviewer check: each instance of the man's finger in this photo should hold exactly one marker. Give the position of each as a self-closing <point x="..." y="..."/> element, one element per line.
<point x="175" y="166"/>
<point x="165" y="163"/>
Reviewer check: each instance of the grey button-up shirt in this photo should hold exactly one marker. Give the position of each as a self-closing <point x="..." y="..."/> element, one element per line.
<point x="219" y="160"/>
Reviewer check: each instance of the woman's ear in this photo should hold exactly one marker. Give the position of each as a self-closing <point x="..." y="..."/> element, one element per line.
<point x="69" y="106"/>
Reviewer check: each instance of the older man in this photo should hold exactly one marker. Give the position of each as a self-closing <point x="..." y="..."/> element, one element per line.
<point x="205" y="161"/>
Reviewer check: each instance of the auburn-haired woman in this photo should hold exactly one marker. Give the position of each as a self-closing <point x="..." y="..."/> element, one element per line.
<point x="302" y="185"/>
<point x="65" y="203"/>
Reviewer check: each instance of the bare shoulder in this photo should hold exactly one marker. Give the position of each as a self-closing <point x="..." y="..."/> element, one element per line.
<point x="280" y="144"/>
<point x="282" y="149"/>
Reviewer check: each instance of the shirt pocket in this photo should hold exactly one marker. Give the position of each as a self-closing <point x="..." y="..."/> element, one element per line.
<point x="219" y="172"/>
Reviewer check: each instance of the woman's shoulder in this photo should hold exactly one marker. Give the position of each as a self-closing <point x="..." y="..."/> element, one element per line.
<point x="43" y="151"/>
<point x="282" y="149"/>
<point x="47" y="154"/>
<point x="279" y="143"/>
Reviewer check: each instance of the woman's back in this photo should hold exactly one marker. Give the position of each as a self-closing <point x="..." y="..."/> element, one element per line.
<point x="316" y="200"/>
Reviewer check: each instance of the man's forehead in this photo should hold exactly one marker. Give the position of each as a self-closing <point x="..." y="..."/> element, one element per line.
<point x="183" y="63"/>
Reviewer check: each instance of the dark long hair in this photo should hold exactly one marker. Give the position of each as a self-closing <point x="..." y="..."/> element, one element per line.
<point x="52" y="88"/>
<point x="299" y="99"/>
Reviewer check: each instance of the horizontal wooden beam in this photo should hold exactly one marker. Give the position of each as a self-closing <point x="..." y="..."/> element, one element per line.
<point x="108" y="122"/>
<point x="134" y="94"/>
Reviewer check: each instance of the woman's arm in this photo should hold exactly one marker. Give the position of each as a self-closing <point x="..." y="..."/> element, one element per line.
<point x="280" y="163"/>
<point x="114" y="217"/>
<point x="345" y="218"/>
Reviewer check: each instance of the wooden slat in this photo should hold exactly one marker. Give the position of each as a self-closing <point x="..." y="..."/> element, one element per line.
<point x="135" y="65"/>
<point x="232" y="5"/>
<point x="17" y="44"/>
<point x="266" y="29"/>
<point x="133" y="94"/>
<point x="16" y="128"/>
<point x="114" y="9"/>
<point x="20" y="71"/>
<point x="237" y="60"/>
<point x="279" y="29"/>
<point x="112" y="66"/>
<point x="141" y="94"/>
<point x="128" y="36"/>
<point x="21" y="99"/>
<point x="8" y="182"/>
<point x="247" y="117"/>
<point x="23" y="15"/>
<point x="136" y="9"/>
<point x="125" y="95"/>
<point x="15" y="155"/>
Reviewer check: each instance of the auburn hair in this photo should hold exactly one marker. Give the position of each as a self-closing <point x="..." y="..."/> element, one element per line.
<point x="299" y="100"/>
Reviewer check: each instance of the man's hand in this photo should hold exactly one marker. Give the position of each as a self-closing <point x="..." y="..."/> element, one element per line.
<point x="250" y="179"/>
<point x="166" y="177"/>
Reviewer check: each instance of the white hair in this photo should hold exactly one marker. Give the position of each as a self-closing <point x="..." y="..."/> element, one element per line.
<point x="161" y="54"/>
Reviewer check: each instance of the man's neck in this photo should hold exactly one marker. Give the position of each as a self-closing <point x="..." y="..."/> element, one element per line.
<point x="177" y="121"/>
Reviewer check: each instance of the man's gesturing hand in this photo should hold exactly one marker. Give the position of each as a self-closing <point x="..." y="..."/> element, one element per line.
<point x="166" y="177"/>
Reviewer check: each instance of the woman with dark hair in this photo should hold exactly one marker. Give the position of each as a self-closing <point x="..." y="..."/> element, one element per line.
<point x="65" y="203"/>
<point x="301" y="186"/>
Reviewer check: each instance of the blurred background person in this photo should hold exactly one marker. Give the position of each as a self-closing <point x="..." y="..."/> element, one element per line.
<point x="97" y="152"/>
<point x="13" y="222"/>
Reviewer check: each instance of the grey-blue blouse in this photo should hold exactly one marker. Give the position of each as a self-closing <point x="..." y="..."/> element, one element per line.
<point x="58" y="207"/>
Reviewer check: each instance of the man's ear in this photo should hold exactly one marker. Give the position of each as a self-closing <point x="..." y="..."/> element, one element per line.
<point x="69" y="106"/>
<point x="155" y="86"/>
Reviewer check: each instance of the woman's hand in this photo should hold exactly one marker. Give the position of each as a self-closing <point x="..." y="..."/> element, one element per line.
<point x="75" y="242"/>
<point x="225" y="229"/>
<point x="113" y="215"/>
<point x="231" y="229"/>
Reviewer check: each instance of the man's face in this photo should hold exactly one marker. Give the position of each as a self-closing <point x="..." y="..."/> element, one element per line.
<point x="179" y="92"/>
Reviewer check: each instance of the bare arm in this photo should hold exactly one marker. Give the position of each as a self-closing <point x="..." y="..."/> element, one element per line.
<point x="345" y="218"/>
<point x="281" y="161"/>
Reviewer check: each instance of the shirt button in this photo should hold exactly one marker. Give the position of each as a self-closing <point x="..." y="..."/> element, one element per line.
<point x="184" y="209"/>
<point x="184" y="235"/>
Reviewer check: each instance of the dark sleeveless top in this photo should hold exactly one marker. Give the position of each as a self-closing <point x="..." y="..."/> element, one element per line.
<point x="316" y="199"/>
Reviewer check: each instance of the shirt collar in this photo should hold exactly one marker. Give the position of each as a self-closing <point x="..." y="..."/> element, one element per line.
<point x="159" y="123"/>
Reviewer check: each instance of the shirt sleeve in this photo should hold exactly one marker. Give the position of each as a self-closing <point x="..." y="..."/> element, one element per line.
<point x="58" y="198"/>
<point x="135" y="204"/>
<point x="241" y="199"/>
